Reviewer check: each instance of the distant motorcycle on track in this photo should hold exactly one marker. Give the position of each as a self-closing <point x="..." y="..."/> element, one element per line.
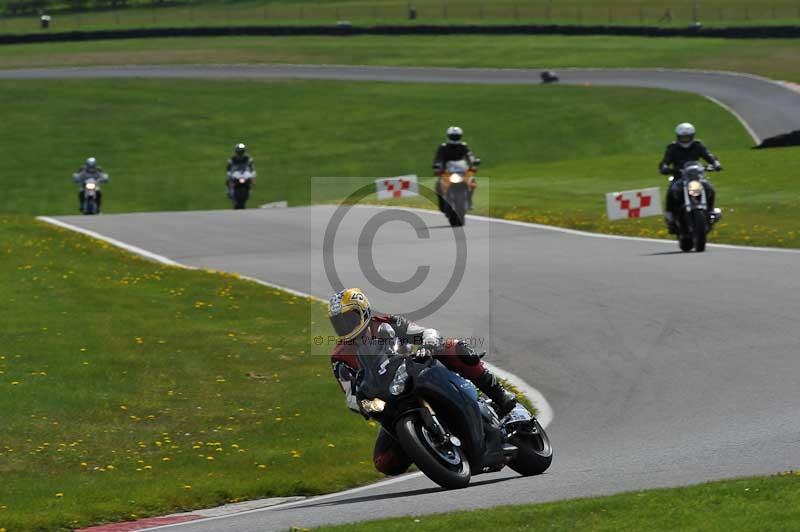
<point x="694" y="221"/>
<point x="240" y="181"/>
<point x="455" y="188"/>
<point x="90" y="195"/>
<point x="442" y="423"/>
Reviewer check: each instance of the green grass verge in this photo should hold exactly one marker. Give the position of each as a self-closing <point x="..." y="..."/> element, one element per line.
<point x="128" y="388"/>
<point x="762" y="504"/>
<point x="773" y="58"/>
<point x="545" y="148"/>
<point x="616" y="12"/>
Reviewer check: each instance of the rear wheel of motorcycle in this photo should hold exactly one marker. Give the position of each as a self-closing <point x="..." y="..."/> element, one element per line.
<point x="700" y="219"/>
<point x="535" y="453"/>
<point x="446" y="465"/>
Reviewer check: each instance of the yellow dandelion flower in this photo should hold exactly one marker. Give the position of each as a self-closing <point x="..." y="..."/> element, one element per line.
<point x="187" y="487"/>
<point x="59" y="494"/>
<point x="148" y="467"/>
<point x="209" y="457"/>
<point x="165" y="459"/>
<point x="262" y="466"/>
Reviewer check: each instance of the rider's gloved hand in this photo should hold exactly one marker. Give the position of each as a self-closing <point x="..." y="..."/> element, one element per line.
<point x="665" y="169"/>
<point x="718" y="166"/>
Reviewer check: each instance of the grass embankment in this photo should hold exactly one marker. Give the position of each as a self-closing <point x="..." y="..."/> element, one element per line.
<point x="772" y="58"/>
<point x="589" y="12"/>
<point x="546" y="148"/>
<point x="751" y="504"/>
<point x="128" y="388"/>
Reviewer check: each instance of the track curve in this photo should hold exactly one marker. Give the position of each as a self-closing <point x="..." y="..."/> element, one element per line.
<point x="662" y="369"/>
<point x="765" y="106"/>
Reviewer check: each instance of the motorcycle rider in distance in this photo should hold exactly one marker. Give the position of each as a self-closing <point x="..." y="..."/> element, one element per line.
<point x="239" y="159"/>
<point x="685" y="148"/>
<point x="453" y="149"/>
<point x="357" y="328"/>
<point x="89" y="170"/>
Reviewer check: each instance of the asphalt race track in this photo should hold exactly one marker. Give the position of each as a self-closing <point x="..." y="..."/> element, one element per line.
<point x="662" y="368"/>
<point x="768" y="107"/>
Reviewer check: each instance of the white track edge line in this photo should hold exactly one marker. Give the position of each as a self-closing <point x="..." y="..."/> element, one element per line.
<point x="589" y="234"/>
<point x="284" y="506"/>
<point x="739" y="117"/>
<point x="536" y="397"/>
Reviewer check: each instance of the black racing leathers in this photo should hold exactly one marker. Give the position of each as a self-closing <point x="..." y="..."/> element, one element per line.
<point x="675" y="156"/>
<point x="238" y="161"/>
<point x="451" y="151"/>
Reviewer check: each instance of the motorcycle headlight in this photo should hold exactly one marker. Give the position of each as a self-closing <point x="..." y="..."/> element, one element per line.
<point x="695" y="188"/>
<point x="398" y="385"/>
<point x="456" y="178"/>
<point x="374" y="405"/>
<point x="90" y="186"/>
<point x="241" y="180"/>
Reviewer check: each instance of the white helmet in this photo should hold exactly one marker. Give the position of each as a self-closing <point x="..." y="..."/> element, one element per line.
<point x="454" y="134"/>
<point x="684" y="133"/>
<point x="91" y="162"/>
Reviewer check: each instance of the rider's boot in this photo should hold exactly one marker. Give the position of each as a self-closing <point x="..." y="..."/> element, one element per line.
<point x="503" y="401"/>
<point x="669" y="219"/>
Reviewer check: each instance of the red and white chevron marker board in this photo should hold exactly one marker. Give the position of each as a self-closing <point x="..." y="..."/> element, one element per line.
<point x="633" y="203"/>
<point x="397" y="187"/>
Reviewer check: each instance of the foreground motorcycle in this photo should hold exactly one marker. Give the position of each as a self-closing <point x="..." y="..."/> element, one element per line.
<point x="90" y="195"/>
<point x="240" y="181"/>
<point x="443" y="424"/>
<point x="694" y="221"/>
<point x="455" y="187"/>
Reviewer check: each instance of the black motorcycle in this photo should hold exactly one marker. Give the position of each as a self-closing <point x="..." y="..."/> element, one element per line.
<point x="442" y="423"/>
<point x="694" y="221"/>
<point x="240" y="181"/>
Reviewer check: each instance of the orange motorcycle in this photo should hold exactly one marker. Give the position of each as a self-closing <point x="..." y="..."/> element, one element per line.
<point x="455" y="187"/>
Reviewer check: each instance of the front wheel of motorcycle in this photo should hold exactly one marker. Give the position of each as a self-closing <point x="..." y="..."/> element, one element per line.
<point x="700" y="230"/>
<point x="535" y="454"/>
<point x="445" y="464"/>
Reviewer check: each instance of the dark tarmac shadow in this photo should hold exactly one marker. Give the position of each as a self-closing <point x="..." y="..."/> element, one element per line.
<point x="667" y="253"/>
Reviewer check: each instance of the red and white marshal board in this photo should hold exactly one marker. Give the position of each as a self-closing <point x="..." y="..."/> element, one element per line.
<point x="633" y="203"/>
<point x="397" y="187"/>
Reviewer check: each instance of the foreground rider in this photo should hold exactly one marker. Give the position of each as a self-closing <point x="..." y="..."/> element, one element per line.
<point x="685" y="148"/>
<point x="453" y="149"/>
<point x="89" y="170"/>
<point x="355" y="325"/>
<point x="239" y="159"/>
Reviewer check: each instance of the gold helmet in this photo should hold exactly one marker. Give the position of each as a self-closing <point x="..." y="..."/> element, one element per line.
<point x="349" y="312"/>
